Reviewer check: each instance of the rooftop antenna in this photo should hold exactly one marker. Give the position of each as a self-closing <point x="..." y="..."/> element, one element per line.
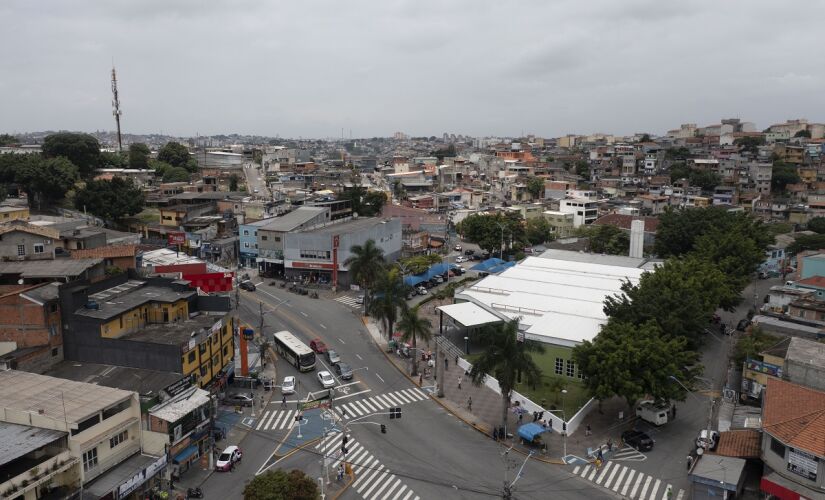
<point x="116" y="108"/>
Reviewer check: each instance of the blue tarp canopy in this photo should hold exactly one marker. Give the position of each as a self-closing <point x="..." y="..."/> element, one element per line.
<point x="529" y="431"/>
<point x="501" y="267"/>
<point x="486" y="265"/>
<point x="433" y="271"/>
<point x="184" y="455"/>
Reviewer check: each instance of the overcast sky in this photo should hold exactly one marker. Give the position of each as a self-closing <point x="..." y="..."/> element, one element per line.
<point x="310" y="68"/>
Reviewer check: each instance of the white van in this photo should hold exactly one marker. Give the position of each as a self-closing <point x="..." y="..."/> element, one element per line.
<point x="656" y="414"/>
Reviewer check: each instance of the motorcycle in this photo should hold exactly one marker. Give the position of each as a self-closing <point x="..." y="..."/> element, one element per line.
<point x="194" y="493"/>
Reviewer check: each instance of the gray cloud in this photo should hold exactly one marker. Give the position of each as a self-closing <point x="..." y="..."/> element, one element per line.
<point x="422" y="67"/>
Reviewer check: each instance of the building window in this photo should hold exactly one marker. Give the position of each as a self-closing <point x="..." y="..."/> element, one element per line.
<point x="192" y="356"/>
<point x="559" y="366"/>
<point x="39" y="248"/>
<point x="277" y="238"/>
<point x="315" y="254"/>
<point x="117" y="439"/>
<point x="55" y="351"/>
<point x="246" y="232"/>
<point x="777" y="447"/>
<point x="21" y="250"/>
<point x="246" y="244"/>
<point x="90" y="460"/>
<point x="571" y="368"/>
<point x="264" y="238"/>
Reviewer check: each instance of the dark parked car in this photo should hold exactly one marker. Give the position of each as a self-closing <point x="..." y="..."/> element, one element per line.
<point x="743" y="324"/>
<point x="469" y="251"/>
<point x="344" y="371"/>
<point x="637" y="440"/>
<point x="239" y="400"/>
<point x="248" y="286"/>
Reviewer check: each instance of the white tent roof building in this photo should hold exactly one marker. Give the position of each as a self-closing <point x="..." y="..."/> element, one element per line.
<point x="558" y="296"/>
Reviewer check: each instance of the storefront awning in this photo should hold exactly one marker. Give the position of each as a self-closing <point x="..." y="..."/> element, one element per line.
<point x="186" y="454"/>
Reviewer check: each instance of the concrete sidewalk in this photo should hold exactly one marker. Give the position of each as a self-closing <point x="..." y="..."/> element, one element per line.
<point x="485" y="411"/>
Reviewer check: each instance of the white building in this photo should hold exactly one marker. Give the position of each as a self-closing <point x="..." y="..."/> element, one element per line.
<point x="103" y="423"/>
<point x="584" y="211"/>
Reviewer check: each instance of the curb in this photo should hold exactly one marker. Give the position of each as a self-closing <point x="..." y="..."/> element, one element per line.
<point x="346" y="486"/>
<point x="474" y="426"/>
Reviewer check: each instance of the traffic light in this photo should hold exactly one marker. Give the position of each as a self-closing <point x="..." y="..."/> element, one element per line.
<point x="395" y="413"/>
<point x="383" y="429"/>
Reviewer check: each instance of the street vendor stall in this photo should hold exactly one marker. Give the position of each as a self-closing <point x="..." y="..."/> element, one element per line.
<point x="531" y="433"/>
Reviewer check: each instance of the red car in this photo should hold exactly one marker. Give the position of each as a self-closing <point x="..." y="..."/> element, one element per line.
<point x="318" y="346"/>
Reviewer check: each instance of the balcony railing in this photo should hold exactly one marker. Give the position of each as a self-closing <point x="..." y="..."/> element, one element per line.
<point x="39" y="474"/>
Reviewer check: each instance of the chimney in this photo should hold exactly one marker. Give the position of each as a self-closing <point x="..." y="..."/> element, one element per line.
<point x="637" y="238"/>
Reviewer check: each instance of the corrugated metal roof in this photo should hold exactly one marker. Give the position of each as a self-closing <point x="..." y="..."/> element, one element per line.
<point x="17" y="440"/>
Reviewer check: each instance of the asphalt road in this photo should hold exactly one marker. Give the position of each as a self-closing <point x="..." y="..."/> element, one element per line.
<point x="427" y="452"/>
<point x="255" y="179"/>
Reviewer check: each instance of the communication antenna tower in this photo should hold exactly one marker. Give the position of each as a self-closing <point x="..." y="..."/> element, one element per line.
<point x="116" y="109"/>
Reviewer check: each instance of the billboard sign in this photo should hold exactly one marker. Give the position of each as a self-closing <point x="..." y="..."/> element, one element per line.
<point x="176" y="238"/>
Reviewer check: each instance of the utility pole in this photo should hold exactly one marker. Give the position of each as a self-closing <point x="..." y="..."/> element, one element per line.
<point x="116" y="109"/>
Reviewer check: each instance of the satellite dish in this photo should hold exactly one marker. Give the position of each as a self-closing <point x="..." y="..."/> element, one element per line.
<point x="20" y="281"/>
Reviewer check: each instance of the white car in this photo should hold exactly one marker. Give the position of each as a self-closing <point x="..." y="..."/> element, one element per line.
<point x="460" y="259"/>
<point x="230" y="456"/>
<point x="288" y="386"/>
<point x="458" y="248"/>
<point x="326" y="379"/>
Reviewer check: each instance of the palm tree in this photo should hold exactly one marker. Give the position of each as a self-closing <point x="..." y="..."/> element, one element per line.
<point x="366" y="264"/>
<point x="414" y="327"/>
<point x="390" y="293"/>
<point x="506" y="359"/>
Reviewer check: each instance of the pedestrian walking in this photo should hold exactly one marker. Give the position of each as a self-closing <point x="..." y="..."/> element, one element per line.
<point x="609" y="444"/>
<point x="459" y="381"/>
<point x="446" y="363"/>
<point x="501" y="434"/>
<point x="600" y="455"/>
<point x="456" y="360"/>
<point x="420" y="379"/>
<point x="283" y="401"/>
<point x="470" y="403"/>
<point x="535" y="416"/>
<point x="588" y="431"/>
<point x="520" y="417"/>
<point x="674" y="412"/>
<point x="495" y="433"/>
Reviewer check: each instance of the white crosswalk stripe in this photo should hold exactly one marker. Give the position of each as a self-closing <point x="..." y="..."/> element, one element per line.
<point x="276" y="420"/>
<point x="373" y="480"/>
<point x="348" y="300"/>
<point x="380" y="402"/>
<point x="627" y="482"/>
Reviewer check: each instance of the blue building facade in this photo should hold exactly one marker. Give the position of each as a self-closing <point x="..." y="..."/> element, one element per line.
<point x="248" y="243"/>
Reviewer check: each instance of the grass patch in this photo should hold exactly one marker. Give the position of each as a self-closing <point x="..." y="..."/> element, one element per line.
<point x="548" y="392"/>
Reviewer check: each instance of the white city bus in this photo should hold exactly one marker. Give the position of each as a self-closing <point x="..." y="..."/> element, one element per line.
<point x="294" y="351"/>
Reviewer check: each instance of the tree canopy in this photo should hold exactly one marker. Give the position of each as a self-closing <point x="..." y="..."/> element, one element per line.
<point x="803" y="133"/>
<point x="636" y="361"/>
<point x="281" y="485"/>
<point x="680" y="297"/>
<point x="817" y="225"/>
<point x="679" y="229"/>
<point x="139" y="155"/>
<point x="749" y="144"/>
<point x="176" y="174"/>
<point x="109" y="159"/>
<point x="783" y="174"/>
<point x="606" y="239"/>
<point x="8" y="140"/>
<point x="537" y="230"/>
<point x="645" y="138"/>
<point x="110" y="200"/>
<point x="233" y="182"/>
<point x="82" y="150"/>
<point x="365" y="203"/>
<point x="46" y="179"/>
<point x="535" y="186"/>
<point x="583" y="169"/>
<point x="807" y="242"/>
<point x="487" y="231"/>
<point x="177" y="155"/>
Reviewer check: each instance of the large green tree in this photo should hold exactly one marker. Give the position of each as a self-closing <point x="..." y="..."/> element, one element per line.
<point x="680" y="297"/>
<point x="139" y="155"/>
<point x="749" y="144"/>
<point x="636" y="361"/>
<point x="177" y="155"/>
<point x="583" y="169"/>
<point x="8" y="140"/>
<point x="414" y="328"/>
<point x="109" y="159"/>
<point x="817" y="225"/>
<point x="46" y="180"/>
<point x="679" y="229"/>
<point x="606" y="239"/>
<point x="279" y="484"/>
<point x="110" y="200"/>
<point x="732" y="254"/>
<point x="176" y="174"/>
<point x="366" y="264"/>
<point x="783" y="174"/>
<point x="365" y="203"/>
<point x="535" y="186"/>
<point x="390" y="295"/>
<point x="807" y="242"/>
<point x="233" y="182"/>
<point x="82" y="150"/>
<point x="491" y="231"/>
<point x="537" y="230"/>
<point x="506" y="359"/>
